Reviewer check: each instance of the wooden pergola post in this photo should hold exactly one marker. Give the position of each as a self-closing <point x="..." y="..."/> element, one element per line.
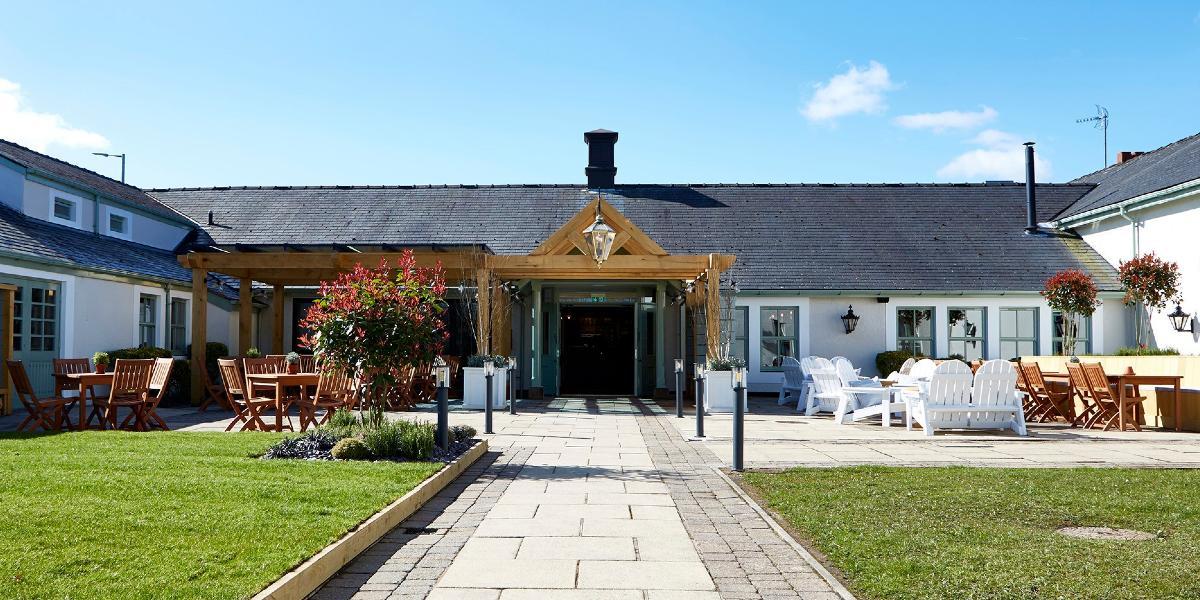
<point x="277" y="318"/>
<point x="199" y="332"/>
<point x="484" y="286"/>
<point x="245" y="311"/>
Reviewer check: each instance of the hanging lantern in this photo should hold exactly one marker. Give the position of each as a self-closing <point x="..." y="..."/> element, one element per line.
<point x="850" y="320"/>
<point x="1180" y="320"/>
<point x="599" y="236"/>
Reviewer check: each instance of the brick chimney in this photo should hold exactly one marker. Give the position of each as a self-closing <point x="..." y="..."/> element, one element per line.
<point x="602" y="169"/>
<point x="1126" y="155"/>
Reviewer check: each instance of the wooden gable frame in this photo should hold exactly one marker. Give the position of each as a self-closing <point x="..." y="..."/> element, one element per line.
<point x="570" y="236"/>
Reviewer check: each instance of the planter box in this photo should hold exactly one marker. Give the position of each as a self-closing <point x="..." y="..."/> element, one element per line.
<point x="475" y="388"/>
<point x="718" y="392"/>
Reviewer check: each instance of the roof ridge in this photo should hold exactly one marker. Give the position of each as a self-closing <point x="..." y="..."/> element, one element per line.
<point x="73" y="165"/>
<point x="619" y="186"/>
<point x="1118" y="166"/>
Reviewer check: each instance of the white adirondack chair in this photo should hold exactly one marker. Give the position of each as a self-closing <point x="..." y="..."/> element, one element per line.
<point x="945" y="403"/>
<point x="807" y="364"/>
<point x="828" y="394"/>
<point x="813" y="402"/>
<point x="997" y="405"/>
<point x="794" y="386"/>
<point x="904" y="371"/>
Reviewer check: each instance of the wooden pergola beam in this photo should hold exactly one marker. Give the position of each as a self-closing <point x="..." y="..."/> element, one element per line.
<point x="199" y="332"/>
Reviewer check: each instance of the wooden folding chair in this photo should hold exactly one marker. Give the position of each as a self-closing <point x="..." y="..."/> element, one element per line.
<point x="336" y="389"/>
<point x="234" y="389"/>
<point x="1106" y="396"/>
<point x="308" y="363"/>
<point x="1082" y="391"/>
<point x="213" y="393"/>
<point x="67" y="366"/>
<point x="159" y="380"/>
<point x="258" y="366"/>
<point x="1050" y="403"/>
<point x="130" y="389"/>
<point x="48" y="413"/>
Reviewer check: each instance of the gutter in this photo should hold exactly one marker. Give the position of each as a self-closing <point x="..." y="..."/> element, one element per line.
<point x="1155" y="198"/>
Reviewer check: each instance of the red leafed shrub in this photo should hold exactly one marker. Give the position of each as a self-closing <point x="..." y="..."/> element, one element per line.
<point x="378" y="321"/>
<point x="1073" y="293"/>
<point x="1151" y="282"/>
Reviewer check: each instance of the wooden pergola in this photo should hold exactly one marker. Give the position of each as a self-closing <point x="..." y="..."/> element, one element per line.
<point x="564" y="256"/>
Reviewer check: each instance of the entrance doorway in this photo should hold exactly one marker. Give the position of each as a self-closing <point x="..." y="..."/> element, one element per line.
<point x="597" y="350"/>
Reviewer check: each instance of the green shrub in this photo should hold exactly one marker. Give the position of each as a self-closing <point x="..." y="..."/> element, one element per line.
<point x="351" y="448"/>
<point x="343" y="418"/>
<point x="180" y="385"/>
<point x="890" y="361"/>
<point x="476" y="361"/>
<point x="1131" y="351"/>
<point x="461" y="433"/>
<point x="417" y="441"/>
<point x="142" y="352"/>
<point x="385" y="439"/>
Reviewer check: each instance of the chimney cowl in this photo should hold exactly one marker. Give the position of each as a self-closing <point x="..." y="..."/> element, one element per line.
<point x="601" y="170"/>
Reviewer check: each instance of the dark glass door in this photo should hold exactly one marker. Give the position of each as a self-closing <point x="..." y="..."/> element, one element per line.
<point x="597" y="350"/>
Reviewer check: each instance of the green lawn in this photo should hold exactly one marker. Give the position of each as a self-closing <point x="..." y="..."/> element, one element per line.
<point x="180" y="515"/>
<point x="989" y="533"/>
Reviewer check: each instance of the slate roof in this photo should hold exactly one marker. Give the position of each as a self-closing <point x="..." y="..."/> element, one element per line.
<point x="1171" y="165"/>
<point x="34" y="239"/>
<point x="807" y="237"/>
<point x="37" y="161"/>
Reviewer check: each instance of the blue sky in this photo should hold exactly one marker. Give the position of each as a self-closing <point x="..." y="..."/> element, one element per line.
<point x="252" y="93"/>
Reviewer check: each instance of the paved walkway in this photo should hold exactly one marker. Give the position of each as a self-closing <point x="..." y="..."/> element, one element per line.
<point x="584" y="499"/>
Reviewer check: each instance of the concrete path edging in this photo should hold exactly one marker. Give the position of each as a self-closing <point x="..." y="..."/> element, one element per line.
<point x="812" y="561"/>
<point x="306" y="578"/>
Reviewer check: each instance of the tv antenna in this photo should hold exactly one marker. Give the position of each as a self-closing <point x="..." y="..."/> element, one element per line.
<point x="1100" y="121"/>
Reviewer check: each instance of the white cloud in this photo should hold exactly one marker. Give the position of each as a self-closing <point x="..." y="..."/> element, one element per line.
<point x="855" y="91"/>
<point x="1001" y="155"/>
<point x="950" y="119"/>
<point x="20" y="124"/>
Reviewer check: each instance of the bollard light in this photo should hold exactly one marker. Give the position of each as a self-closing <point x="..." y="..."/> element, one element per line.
<point x="489" y="368"/>
<point x="512" y="385"/>
<point x="489" y="371"/>
<point x="679" y="365"/>
<point x="441" y="373"/>
<point x="739" y="377"/>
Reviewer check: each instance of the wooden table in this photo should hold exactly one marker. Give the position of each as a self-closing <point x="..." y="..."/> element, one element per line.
<point x="1131" y="379"/>
<point x="86" y="382"/>
<point x="282" y="381"/>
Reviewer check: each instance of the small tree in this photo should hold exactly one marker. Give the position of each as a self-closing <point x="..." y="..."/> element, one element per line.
<point x="1149" y="282"/>
<point x="378" y="321"/>
<point x="1072" y="293"/>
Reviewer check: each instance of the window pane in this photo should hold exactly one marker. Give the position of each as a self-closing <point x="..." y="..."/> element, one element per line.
<point x="740" y="316"/>
<point x="64" y="209"/>
<point x="968" y="349"/>
<point x="778" y="322"/>
<point x="1008" y="323"/>
<point x="116" y="223"/>
<point x="1026" y="323"/>
<point x="966" y="322"/>
<point x="919" y="347"/>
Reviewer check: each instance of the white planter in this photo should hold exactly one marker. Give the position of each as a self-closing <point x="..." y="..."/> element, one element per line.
<point x="475" y="388"/>
<point x="718" y="392"/>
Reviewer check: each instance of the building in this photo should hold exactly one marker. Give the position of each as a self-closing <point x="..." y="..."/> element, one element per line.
<point x="1147" y="202"/>
<point x="94" y="261"/>
<point x="944" y="269"/>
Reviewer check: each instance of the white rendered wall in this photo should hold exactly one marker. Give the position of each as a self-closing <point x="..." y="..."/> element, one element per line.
<point x="1169" y="230"/>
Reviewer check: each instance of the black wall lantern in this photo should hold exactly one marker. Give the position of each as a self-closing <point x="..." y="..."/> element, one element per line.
<point x="850" y="320"/>
<point x="1182" y="321"/>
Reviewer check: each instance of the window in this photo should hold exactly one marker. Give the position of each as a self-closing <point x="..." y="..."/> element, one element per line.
<point x="1018" y="332"/>
<point x="118" y="223"/>
<point x="178" y="321"/>
<point x="43" y="319"/>
<point x="778" y="328"/>
<point x="16" y="316"/>
<point x="739" y="342"/>
<point x="968" y="333"/>
<point x="1083" y="334"/>
<point x="65" y="211"/>
<point x="147" y="312"/>
<point x="914" y="330"/>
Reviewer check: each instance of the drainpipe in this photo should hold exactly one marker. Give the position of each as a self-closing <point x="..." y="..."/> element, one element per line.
<point x="1136" y="242"/>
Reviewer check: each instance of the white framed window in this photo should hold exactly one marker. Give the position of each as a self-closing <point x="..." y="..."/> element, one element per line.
<point x="1018" y="332"/>
<point x="117" y="223"/>
<point x="64" y="209"/>
<point x="147" y="320"/>
<point x="177" y="320"/>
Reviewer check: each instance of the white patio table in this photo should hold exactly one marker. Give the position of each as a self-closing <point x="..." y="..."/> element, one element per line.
<point x="884" y="408"/>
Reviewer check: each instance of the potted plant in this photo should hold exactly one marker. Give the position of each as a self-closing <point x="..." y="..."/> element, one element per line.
<point x="718" y="384"/>
<point x="253" y="352"/>
<point x="293" y="363"/>
<point x="101" y="360"/>
<point x="1072" y="293"/>
<point x="1150" y="283"/>
<point x="475" y="383"/>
